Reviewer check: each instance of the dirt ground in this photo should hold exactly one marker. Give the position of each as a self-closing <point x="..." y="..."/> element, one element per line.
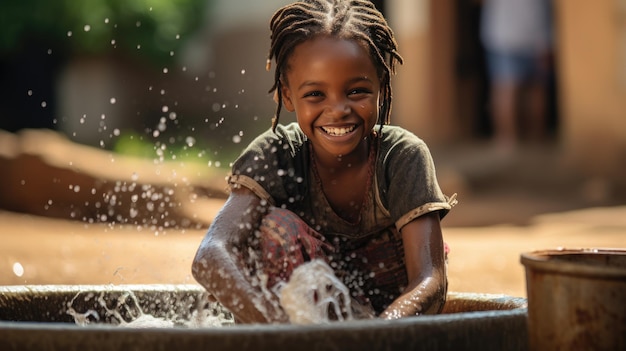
<point x="506" y="207"/>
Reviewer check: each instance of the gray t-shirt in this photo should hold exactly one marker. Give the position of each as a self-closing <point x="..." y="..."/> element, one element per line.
<point x="276" y="166"/>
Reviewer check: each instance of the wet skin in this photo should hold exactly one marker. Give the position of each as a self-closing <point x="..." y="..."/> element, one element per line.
<point x="333" y="87"/>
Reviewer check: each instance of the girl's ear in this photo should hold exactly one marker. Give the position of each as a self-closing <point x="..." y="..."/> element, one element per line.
<point x="286" y="94"/>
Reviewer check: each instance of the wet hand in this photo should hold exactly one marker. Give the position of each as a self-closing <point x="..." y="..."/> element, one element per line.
<point x="427" y="297"/>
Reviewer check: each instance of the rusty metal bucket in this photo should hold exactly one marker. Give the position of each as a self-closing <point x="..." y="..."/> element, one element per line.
<point x="576" y="299"/>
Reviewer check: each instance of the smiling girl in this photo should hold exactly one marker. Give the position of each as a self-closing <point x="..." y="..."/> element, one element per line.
<point x="340" y="185"/>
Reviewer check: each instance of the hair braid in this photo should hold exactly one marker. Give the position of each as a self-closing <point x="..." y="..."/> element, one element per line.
<point x="349" y="19"/>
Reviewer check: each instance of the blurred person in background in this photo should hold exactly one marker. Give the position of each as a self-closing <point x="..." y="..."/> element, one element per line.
<point x="517" y="36"/>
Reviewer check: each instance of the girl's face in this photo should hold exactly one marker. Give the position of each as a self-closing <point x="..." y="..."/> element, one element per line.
<point x="333" y="87"/>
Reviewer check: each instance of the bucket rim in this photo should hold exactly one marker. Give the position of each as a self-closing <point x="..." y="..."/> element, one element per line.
<point x="543" y="260"/>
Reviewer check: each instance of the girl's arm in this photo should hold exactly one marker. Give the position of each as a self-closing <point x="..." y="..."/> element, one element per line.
<point x="218" y="265"/>
<point x="426" y="269"/>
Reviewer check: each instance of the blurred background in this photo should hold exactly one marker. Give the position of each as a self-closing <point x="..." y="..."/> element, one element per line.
<point x="164" y="71"/>
<point x="129" y="112"/>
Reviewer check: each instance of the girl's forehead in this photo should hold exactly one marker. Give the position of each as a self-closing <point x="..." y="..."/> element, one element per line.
<point x="330" y="61"/>
<point x="329" y="47"/>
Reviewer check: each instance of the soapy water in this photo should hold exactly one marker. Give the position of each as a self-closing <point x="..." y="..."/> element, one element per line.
<point x="313" y="295"/>
<point x="127" y="310"/>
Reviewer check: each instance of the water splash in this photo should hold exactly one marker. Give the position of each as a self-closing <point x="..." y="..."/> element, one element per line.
<point x="126" y="310"/>
<point x="314" y="295"/>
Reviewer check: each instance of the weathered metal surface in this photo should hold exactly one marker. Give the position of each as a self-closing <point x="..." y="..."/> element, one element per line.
<point x="470" y="322"/>
<point x="576" y="299"/>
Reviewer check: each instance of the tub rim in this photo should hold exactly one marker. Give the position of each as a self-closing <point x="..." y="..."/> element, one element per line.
<point x="547" y="260"/>
<point x="506" y="305"/>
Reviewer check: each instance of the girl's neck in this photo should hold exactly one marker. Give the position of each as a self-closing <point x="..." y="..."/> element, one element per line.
<point x="346" y="182"/>
<point x="337" y="163"/>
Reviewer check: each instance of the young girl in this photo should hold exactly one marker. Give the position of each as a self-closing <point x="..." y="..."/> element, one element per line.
<point x="335" y="186"/>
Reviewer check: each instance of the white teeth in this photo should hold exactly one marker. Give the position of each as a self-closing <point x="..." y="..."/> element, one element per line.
<point x="338" y="131"/>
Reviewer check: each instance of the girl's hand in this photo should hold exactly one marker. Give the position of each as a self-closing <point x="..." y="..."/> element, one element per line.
<point x="426" y="298"/>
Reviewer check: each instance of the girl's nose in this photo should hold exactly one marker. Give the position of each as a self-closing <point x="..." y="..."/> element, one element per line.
<point x="338" y="108"/>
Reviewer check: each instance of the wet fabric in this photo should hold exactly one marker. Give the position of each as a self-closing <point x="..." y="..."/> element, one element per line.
<point x="286" y="242"/>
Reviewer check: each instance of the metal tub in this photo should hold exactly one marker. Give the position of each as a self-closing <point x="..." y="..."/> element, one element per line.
<point x="36" y="318"/>
<point x="576" y="299"/>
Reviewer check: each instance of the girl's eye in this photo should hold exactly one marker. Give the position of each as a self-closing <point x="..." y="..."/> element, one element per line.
<point x="313" y="94"/>
<point x="357" y="91"/>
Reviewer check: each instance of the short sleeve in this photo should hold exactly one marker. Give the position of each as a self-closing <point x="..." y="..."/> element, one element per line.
<point x="410" y="187"/>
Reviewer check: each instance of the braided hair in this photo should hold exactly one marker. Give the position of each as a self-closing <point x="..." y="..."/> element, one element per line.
<point x="348" y="19"/>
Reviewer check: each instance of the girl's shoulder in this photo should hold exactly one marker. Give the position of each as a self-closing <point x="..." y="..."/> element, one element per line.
<point x="406" y="174"/>
<point x="289" y="134"/>
<point x="397" y="140"/>
<point x="284" y="141"/>
<point x="275" y="161"/>
<point x="274" y="152"/>
<point x="396" y="133"/>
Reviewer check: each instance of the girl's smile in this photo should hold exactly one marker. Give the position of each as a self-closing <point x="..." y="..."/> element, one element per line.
<point x="333" y="86"/>
<point x="339" y="134"/>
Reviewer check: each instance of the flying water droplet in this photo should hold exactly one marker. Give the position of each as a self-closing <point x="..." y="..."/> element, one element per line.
<point x="18" y="269"/>
<point x="190" y="141"/>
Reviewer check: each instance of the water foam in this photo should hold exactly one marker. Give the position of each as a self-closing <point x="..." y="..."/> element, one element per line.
<point x="314" y="295"/>
<point x="125" y="310"/>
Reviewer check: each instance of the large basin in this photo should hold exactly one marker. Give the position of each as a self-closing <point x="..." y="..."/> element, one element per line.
<point x="36" y="318"/>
